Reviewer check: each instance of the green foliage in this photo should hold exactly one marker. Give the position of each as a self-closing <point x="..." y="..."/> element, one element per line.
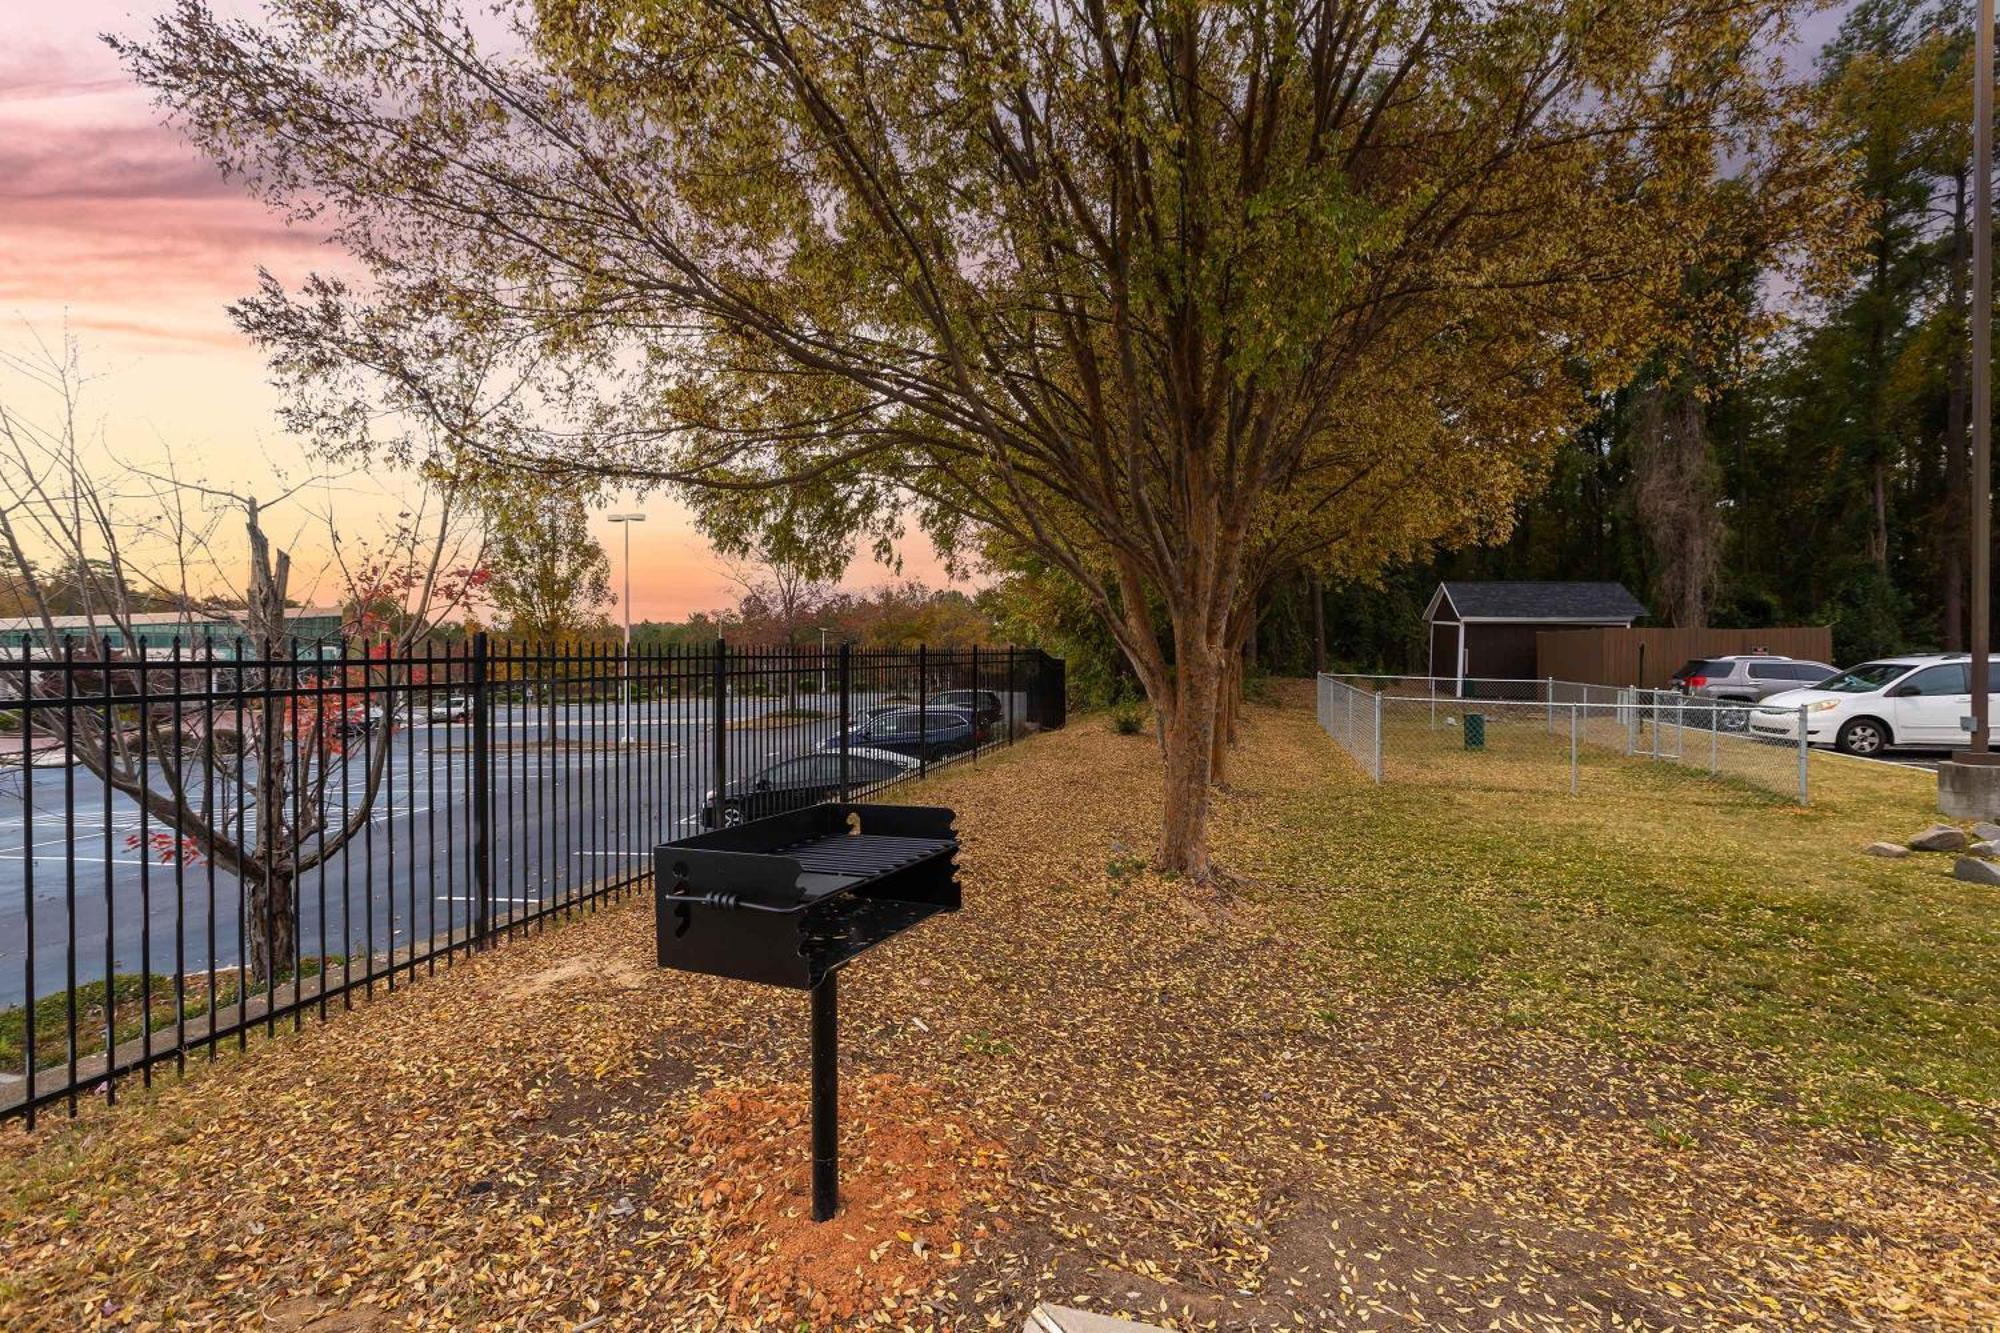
<point x="1128" y="717"/>
<point x="549" y="580"/>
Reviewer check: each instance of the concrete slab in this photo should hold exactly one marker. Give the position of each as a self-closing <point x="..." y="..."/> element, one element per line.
<point x="1047" y="1318"/>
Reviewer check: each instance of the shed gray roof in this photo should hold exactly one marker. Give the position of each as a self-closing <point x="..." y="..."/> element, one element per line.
<point x="1499" y="600"/>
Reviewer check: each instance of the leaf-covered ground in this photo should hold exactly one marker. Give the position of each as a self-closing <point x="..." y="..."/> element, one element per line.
<point x="1451" y="1055"/>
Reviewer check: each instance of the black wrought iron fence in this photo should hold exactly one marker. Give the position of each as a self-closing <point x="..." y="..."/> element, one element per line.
<point x="200" y="842"/>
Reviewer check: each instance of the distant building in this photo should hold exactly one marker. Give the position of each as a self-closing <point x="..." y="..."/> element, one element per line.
<point x="1486" y="631"/>
<point x="313" y="630"/>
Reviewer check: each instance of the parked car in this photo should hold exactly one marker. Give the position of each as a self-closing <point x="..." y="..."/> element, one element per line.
<point x="929" y="733"/>
<point x="454" y="708"/>
<point x="982" y="704"/>
<point x="791" y="784"/>
<point x="1894" y="701"/>
<point x="359" y="722"/>
<point x="1745" y="678"/>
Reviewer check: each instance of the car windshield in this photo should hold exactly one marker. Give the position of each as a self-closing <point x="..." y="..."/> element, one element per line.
<point x="1864" y="679"/>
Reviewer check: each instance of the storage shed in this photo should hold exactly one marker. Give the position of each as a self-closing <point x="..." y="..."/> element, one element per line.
<point x="1486" y="631"/>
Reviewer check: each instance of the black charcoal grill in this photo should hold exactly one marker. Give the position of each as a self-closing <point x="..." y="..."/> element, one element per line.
<point x="787" y="900"/>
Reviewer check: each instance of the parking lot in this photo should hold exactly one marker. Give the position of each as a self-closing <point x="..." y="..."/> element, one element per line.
<point x="580" y="794"/>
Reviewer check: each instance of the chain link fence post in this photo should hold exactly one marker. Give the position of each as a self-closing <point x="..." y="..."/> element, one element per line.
<point x="1574" y="713"/>
<point x="1378" y="737"/>
<point x="1802" y="756"/>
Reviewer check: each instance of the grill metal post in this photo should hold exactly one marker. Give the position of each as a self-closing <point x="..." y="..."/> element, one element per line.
<point x="826" y="1098"/>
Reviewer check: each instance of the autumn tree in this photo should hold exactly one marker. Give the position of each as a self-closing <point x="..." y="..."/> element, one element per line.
<point x="104" y="544"/>
<point x="1180" y="297"/>
<point x="550" y="578"/>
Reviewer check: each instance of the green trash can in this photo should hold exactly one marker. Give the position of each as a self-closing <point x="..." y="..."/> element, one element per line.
<point x="1475" y="731"/>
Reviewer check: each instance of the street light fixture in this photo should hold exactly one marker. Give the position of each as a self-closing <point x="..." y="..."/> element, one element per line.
<point x="625" y="666"/>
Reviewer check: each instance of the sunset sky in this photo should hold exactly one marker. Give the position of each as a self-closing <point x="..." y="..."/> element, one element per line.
<point x="112" y="227"/>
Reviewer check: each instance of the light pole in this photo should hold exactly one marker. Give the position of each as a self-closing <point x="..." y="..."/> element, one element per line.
<point x="626" y="521"/>
<point x="1982" y="369"/>
<point x="1969" y="782"/>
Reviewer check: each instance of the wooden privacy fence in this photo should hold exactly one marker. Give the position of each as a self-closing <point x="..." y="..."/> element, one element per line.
<point x="1646" y="657"/>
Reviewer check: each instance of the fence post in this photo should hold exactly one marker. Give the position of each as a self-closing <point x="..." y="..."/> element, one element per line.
<point x="975" y="703"/>
<point x="1632" y="725"/>
<point x="721" y="724"/>
<point x="923" y="712"/>
<point x="1802" y="756"/>
<point x="846" y="715"/>
<point x="1378" y="737"/>
<point x="482" y="809"/>
<point x="1550" y="689"/>
<point x="1714" y="740"/>
<point x="1573" y="710"/>
<point x="1010" y="694"/>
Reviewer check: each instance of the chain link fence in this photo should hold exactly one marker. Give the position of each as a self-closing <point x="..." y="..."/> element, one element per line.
<point x="1551" y="734"/>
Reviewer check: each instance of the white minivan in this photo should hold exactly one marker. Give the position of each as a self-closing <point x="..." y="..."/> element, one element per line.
<point x="1920" y="700"/>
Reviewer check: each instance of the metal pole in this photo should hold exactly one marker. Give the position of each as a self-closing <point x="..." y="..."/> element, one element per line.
<point x="1572" y="749"/>
<point x="1714" y="738"/>
<point x="482" y="786"/>
<point x="1982" y="374"/>
<point x="625" y="666"/>
<point x="1802" y="736"/>
<point x="846" y="714"/>
<point x="826" y="1097"/>
<point x="721" y="722"/>
<point x="1378" y="736"/>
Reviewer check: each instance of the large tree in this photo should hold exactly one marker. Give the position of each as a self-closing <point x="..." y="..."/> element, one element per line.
<point x="1179" y="296"/>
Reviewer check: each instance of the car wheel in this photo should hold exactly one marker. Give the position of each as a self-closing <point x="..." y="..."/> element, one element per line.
<point x="732" y="815"/>
<point x="1863" y="736"/>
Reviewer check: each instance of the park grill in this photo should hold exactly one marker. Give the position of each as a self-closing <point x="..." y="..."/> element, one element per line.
<point x="787" y="900"/>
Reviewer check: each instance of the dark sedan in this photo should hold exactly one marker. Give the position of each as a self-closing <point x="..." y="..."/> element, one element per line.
<point x="791" y="784"/>
<point x="928" y="733"/>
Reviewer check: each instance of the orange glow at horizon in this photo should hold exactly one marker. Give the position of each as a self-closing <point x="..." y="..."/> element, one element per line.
<point x="113" y="229"/>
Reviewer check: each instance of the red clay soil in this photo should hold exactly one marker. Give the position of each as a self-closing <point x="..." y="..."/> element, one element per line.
<point x="912" y="1201"/>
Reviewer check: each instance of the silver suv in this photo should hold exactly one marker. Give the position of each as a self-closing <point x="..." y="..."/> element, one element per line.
<point x="1746" y="678"/>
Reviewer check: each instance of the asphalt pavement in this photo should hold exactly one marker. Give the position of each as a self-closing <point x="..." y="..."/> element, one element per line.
<point x="564" y="817"/>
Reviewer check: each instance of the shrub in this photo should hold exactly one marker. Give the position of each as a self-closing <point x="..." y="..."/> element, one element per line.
<point x="1128" y="718"/>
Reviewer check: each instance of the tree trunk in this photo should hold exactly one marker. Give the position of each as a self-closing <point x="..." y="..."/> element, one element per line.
<point x="1199" y="671"/>
<point x="274" y="928"/>
<point x="1229" y="702"/>
<point x="1318" y="595"/>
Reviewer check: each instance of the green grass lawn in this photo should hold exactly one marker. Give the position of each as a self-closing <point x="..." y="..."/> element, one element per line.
<point x="130" y="997"/>
<point x="1710" y="922"/>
